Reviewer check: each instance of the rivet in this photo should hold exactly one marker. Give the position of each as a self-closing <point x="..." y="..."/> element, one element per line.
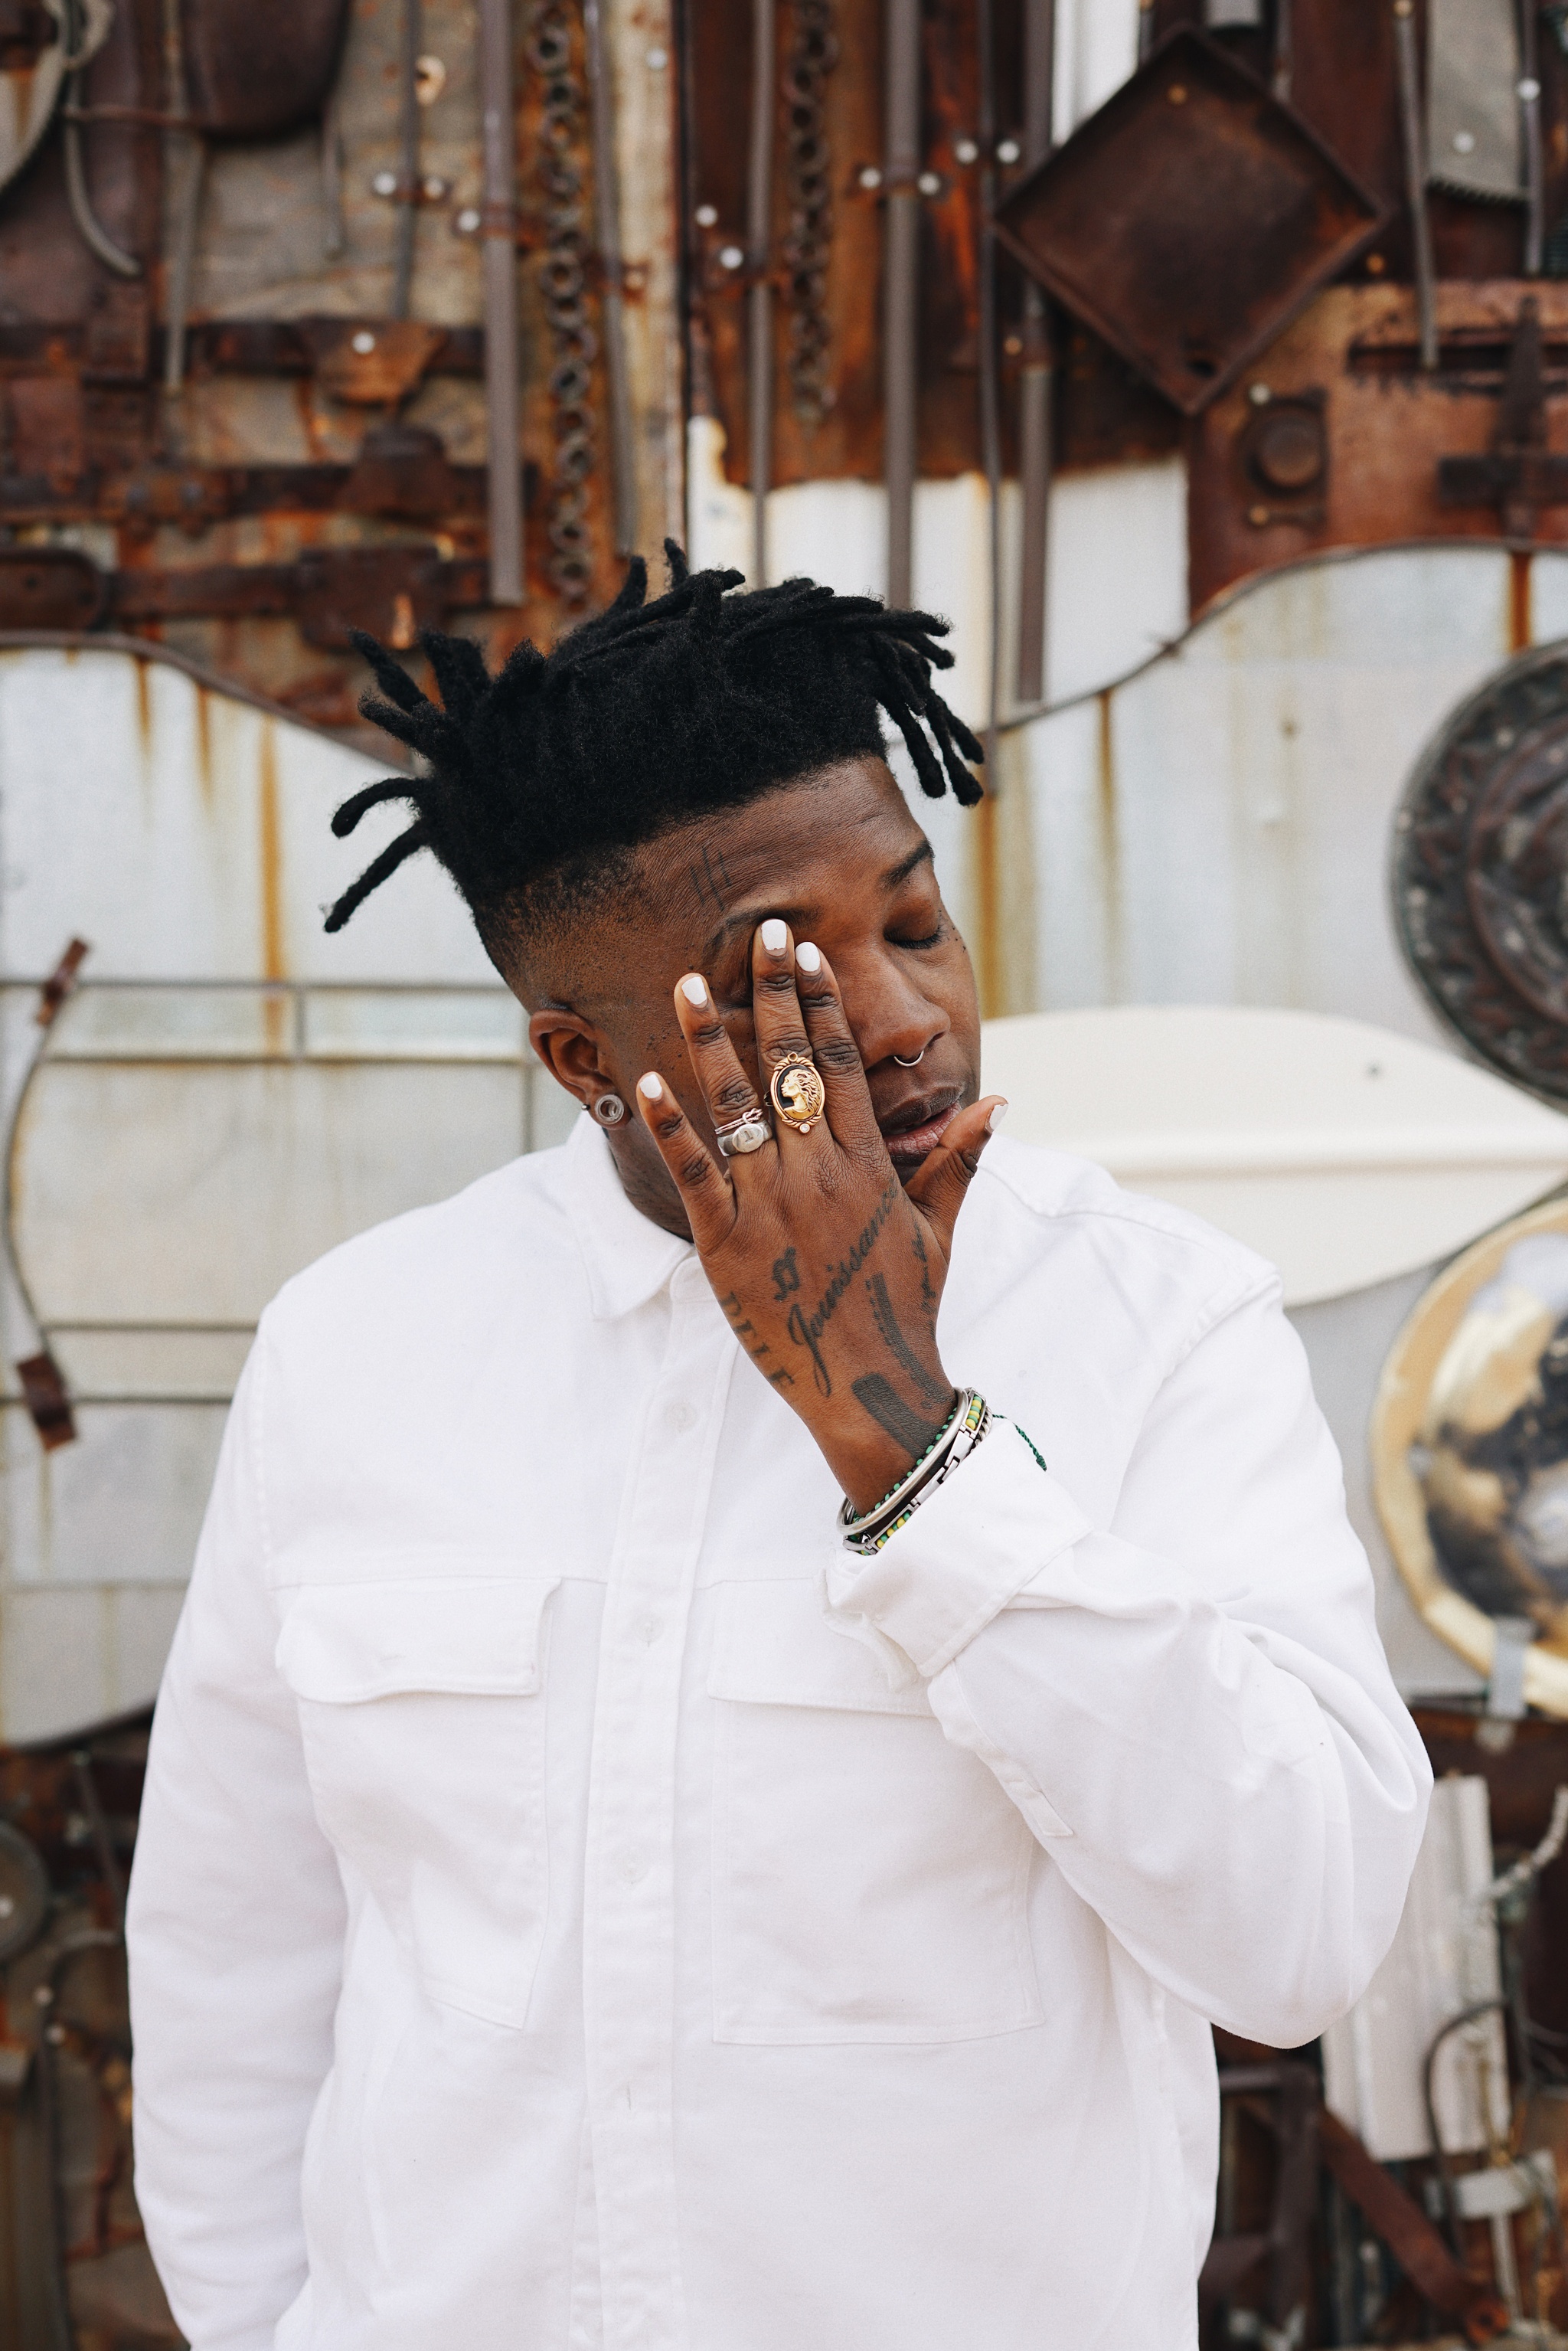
<point x="385" y="184"/>
<point x="658" y="59"/>
<point x="364" y="342"/>
<point x="1258" y="394"/>
<point x="466" y="223"/>
<point x="1008" y="151"/>
<point x="965" y="152"/>
<point x="730" y="257"/>
<point x="929" y="183"/>
<point x="707" y="216"/>
<point x="870" y="177"/>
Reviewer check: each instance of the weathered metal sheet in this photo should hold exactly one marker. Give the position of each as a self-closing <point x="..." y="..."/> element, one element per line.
<point x="226" y="1094"/>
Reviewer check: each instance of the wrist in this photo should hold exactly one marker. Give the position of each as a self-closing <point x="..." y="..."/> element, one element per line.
<point x="869" y="1465"/>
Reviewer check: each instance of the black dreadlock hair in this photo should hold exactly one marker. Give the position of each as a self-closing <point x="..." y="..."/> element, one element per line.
<point x="539" y="782"/>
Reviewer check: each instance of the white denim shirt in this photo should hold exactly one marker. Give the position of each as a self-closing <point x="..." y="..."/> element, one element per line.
<point x="578" y="1904"/>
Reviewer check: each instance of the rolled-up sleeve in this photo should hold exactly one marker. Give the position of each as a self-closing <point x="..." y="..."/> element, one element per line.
<point x="236" y="1930"/>
<point x="1191" y="1704"/>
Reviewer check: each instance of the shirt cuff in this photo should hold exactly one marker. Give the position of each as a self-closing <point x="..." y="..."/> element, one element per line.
<point x="995" y="1522"/>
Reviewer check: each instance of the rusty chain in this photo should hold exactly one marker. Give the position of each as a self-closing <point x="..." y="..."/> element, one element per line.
<point x="809" y="184"/>
<point x="553" y="52"/>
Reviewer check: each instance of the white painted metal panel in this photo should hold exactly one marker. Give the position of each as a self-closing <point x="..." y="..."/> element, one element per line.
<point x="1344" y="1153"/>
<point x="1443" y="1958"/>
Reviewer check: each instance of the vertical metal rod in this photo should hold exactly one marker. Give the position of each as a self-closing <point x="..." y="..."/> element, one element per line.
<point x="498" y="229"/>
<point x="900" y="264"/>
<point x="1145" y="29"/>
<point x="408" y="158"/>
<point x="1530" y="125"/>
<point x="607" y="234"/>
<point x="1035" y="379"/>
<point x="990" y="390"/>
<point x="184" y="164"/>
<point x="1413" y="127"/>
<point x="1284" y="71"/>
<point x="759" y="257"/>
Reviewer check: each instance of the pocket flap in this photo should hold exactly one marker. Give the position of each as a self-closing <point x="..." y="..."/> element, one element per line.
<point x="342" y="1643"/>
<point x="776" y="1644"/>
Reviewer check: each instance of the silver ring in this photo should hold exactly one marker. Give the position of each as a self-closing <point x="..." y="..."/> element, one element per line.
<point x="744" y="1134"/>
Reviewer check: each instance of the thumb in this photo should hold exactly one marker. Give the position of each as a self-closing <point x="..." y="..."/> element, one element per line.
<point x="939" y="1189"/>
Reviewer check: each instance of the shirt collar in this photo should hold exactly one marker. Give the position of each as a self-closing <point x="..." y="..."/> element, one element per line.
<point x="627" y="1257"/>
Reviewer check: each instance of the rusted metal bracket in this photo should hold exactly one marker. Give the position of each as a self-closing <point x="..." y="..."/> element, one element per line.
<point x="44" y="1388"/>
<point x="1408" y="2234"/>
<point x="1520" y="473"/>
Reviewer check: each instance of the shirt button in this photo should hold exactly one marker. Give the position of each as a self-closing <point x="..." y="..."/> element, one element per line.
<point x="635" y="1869"/>
<point x="648" y="1630"/>
<point x="678" y="1416"/>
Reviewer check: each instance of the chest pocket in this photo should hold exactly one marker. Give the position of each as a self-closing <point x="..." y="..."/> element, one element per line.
<point x="422" y="1712"/>
<point x="870" y="1879"/>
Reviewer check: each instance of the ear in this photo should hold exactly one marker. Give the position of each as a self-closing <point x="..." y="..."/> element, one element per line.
<point x="573" y="1050"/>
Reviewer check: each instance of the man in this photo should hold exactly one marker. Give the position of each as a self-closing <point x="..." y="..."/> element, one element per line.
<point x="753" y="1684"/>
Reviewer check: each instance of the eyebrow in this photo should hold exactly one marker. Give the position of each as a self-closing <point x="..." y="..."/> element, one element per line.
<point x="748" y="918"/>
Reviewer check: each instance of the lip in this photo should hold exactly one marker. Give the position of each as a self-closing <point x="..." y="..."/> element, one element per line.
<point x="912" y="1130"/>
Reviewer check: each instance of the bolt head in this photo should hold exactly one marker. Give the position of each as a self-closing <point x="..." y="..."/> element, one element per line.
<point x="870" y="177"/>
<point x="731" y="256"/>
<point x="707" y="216"/>
<point x="1529" y="89"/>
<point x="658" y="59"/>
<point x="364" y="342"/>
<point x="468" y="221"/>
<point x="435" y="189"/>
<point x="929" y="183"/>
<point x="1258" y="394"/>
<point x="385" y="184"/>
<point x="1008" y="151"/>
<point x="965" y="152"/>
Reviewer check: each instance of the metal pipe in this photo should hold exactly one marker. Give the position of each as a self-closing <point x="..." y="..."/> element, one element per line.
<point x="900" y="264"/>
<point x="1412" y="127"/>
<point x="759" y="257"/>
<point x="1145" y="29"/>
<point x="408" y="160"/>
<point x="94" y="236"/>
<point x="990" y="390"/>
<point x="607" y="234"/>
<point x="1035" y="378"/>
<point x="1284" y="72"/>
<point x="498" y="229"/>
<point x="1529" y="127"/>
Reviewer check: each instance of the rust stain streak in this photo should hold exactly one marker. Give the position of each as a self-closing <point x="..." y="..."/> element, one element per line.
<point x="271" y="874"/>
<point x="144" y="708"/>
<point x="1521" y="600"/>
<point x="204" y="747"/>
<point x="1105" y="778"/>
<point x="987" y="945"/>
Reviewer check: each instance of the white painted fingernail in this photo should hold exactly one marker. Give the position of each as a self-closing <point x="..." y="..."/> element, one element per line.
<point x="774" y="935"/>
<point x="999" y="1112"/>
<point x="653" y="1085"/>
<point x="695" y="990"/>
<point x="808" y="957"/>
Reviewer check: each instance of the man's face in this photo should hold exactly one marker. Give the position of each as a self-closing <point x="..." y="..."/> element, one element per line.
<point x="840" y="858"/>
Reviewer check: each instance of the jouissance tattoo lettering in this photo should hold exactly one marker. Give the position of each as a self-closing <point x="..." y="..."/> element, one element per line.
<point x="806" y="1330"/>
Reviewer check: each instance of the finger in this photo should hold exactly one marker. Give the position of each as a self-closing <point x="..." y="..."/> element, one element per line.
<point x="939" y="1190"/>
<point x="833" y="1049"/>
<point x="774" y="1005"/>
<point x="705" y="1191"/>
<point x="727" y="1086"/>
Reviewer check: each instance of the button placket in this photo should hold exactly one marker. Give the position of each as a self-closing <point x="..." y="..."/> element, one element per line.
<point x="629" y="1918"/>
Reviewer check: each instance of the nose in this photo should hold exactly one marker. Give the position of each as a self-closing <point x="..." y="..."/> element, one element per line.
<point x="892" y="1020"/>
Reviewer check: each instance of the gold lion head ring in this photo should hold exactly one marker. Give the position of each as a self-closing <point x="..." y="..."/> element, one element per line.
<point x="797" y="1092"/>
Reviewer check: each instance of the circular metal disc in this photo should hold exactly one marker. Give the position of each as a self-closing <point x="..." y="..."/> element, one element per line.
<point x="1469" y="1448"/>
<point x="24" y="1893"/>
<point x="1480" y="871"/>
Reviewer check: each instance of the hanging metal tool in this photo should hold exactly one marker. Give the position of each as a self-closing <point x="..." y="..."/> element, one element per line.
<point x="1415" y="137"/>
<point x="901" y="266"/>
<point x="607" y="233"/>
<point x="498" y="230"/>
<point x="759" y="264"/>
<point x="407" y="193"/>
<point x="1530" y="137"/>
<point x="1035" y="376"/>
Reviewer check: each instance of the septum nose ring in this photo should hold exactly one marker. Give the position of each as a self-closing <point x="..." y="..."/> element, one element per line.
<point x="910" y="1065"/>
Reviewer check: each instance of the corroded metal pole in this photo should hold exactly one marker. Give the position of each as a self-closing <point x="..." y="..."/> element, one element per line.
<point x="1035" y="378"/>
<point x="759" y="257"/>
<point x="612" y="311"/>
<point x="498" y="227"/>
<point x="901" y="264"/>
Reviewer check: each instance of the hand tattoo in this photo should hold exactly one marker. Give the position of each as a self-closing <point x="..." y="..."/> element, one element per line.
<point x="786" y="1275"/>
<point x="711" y="879"/>
<point x="887" y="1407"/>
<point x="746" y="1332"/>
<point x="934" y="1390"/>
<point x="807" y="1329"/>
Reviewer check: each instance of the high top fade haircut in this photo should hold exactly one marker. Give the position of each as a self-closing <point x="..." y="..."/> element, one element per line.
<point x="535" y="786"/>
